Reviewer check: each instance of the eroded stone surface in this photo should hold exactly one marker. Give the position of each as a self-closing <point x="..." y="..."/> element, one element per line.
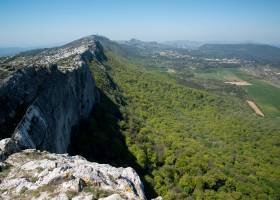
<point x="33" y="174"/>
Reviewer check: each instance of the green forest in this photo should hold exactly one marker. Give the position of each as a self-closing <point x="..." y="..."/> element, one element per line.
<point x="185" y="143"/>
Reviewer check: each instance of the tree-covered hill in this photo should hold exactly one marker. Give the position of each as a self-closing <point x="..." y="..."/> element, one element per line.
<point x="184" y="142"/>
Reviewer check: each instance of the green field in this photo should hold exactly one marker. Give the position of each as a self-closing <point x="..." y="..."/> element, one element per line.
<point x="265" y="95"/>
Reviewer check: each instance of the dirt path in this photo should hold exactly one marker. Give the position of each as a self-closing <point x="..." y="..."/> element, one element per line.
<point x="255" y="108"/>
<point x="240" y="83"/>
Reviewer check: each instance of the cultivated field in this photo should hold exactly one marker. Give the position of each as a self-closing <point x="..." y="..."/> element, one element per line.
<point x="266" y="96"/>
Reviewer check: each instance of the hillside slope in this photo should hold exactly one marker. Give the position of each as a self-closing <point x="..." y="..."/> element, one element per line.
<point x="186" y="142"/>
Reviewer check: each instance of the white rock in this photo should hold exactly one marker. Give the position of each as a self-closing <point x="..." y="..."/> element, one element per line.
<point x="61" y="196"/>
<point x="83" y="196"/>
<point x="40" y="172"/>
<point x="3" y="143"/>
<point x="112" y="197"/>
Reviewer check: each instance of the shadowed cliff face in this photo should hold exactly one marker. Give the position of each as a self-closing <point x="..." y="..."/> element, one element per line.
<point x="62" y="101"/>
<point x="45" y="94"/>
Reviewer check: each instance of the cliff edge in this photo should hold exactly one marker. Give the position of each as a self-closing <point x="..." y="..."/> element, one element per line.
<point x="44" y="94"/>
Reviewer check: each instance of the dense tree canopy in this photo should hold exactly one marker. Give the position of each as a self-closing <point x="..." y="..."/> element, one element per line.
<point x="185" y="143"/>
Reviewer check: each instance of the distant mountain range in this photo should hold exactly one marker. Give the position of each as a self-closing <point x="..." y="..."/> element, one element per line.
<point x="258" y="52"/>
<point x="179" y="44"/>
<point x="142" y="44"/>
<point x="246" y="51"/>
<point x="184" y="44"/>
<point x="249" y="51"/>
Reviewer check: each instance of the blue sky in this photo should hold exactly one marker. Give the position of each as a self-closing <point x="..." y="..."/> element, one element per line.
<point x="49" y="22"/>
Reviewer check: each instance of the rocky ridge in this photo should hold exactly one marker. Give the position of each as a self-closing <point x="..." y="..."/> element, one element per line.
<point x="44" y="94"/>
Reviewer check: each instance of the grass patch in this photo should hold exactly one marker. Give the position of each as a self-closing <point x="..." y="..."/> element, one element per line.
<point x="4" y="171"/>
<point x="97" y="193"/>
<point x="34" y="179"/>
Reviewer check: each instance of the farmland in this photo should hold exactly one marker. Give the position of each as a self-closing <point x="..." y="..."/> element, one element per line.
<point x="267" y="96"/>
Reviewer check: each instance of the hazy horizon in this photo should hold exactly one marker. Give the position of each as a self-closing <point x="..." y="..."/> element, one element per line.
<point x="163" y="41"/>
<point x="45" y="23"/>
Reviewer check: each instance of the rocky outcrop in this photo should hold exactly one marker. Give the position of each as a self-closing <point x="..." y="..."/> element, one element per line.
<point x="45" y="94"/>
<point x="31" y="174"/>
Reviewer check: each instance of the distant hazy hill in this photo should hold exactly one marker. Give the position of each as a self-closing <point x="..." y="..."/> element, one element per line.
<point x="9" y="51"/>
<point x="183" y="44"/>
<point x="259" y="52"/>
<point x="142" y="44"/>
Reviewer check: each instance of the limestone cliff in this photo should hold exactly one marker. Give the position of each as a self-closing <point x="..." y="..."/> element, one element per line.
<point x="44" y="94"/>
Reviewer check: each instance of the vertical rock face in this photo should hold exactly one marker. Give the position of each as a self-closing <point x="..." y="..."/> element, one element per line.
<point x="45" y="94"/>
<point x="66" y="99"/>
